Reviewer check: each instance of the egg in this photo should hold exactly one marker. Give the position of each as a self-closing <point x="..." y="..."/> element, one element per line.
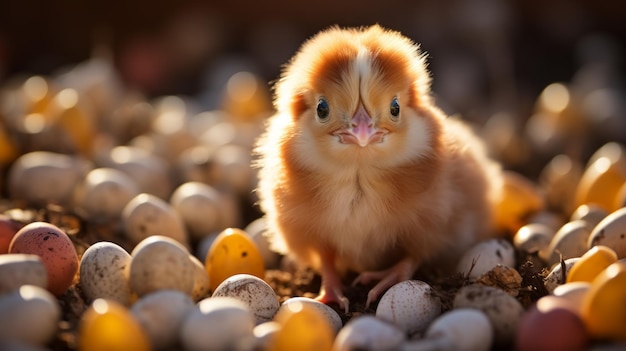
<point x="484" y="256"/>
<point x="573" y="292"/>
<point x="104" y="193"/>
<point x="303" y="327"/>
<point x="107" y="325"/>
<point x="611" y="232"/>
<point x="150" y="172"/>
<point x="558" y="180"/>
<point x="232" y="169"/>
<point x="533" y="237"/>
<point x="603" y="177"/>
<point x="520" y="198"/>
<point x="603" y="308"/>
<point x="105" y="273"/>
<point x="161" y="315"/>
<point x="199" y="206"/>
<point x="590" y="213"/>
<point x="459" y="329"/>
<point x="146" y="215"/>
<point x="54" y="248"/>
<point x="367" y="332"/>
<point x="29" y="314"/>
<point x="8" y="229"/>
<point x="232" y="253"/>
<point x="256" y="293"/>
<point x="570" y="241"/>
<point x="330" y="314"/>
<point x="410" y="305"/>
<point x="556" y="276"/>
<point x="257" y="231"/>
<point x="551" y="325"/>
<point x="218" y="323"/>
<point x="264" y="333"/>
<point x="21" y="269"/>
<point x="160" y="262"/>
<point x="591" y="264"/>
<point x="503" y="310"/>
<point x="201" y="286"/>
<point x="42" y="177"/>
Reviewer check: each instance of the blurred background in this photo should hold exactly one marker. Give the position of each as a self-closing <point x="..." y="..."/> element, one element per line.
<point x="537" y="78"/>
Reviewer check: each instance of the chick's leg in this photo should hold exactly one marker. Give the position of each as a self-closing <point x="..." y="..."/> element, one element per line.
<point x="399" y="272"/>
<point x="331" y="290"/>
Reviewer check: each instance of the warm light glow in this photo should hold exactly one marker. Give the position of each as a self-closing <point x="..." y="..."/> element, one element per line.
<point x="35" y="88"/>
<point x="34" y="123"/>
<point x="555" y="97"/>
<point x="67" y="98"/>
<point x="242" y="86"/>
<point x="101" y="306"/>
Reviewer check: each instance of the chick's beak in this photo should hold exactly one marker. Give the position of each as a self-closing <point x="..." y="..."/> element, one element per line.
<point x="361" y="130"/>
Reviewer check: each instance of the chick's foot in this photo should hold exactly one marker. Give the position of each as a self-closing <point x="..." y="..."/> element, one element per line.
<point x="386" y="278"/>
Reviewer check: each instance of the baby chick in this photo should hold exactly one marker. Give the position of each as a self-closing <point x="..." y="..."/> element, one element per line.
<point x="359" y="170"/>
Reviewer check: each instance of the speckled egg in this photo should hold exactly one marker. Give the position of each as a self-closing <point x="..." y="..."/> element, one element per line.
<point x="21" y="269"/>
<point x="160" y="262"/>
<point x="254" y="292"/>
<point x="161" y="315"/>
<point x="29" y="314"/>
<point x="54" y="248"/>
<point x="502" y="309"/>
<point x="611" y="232"/>
<point x="201" y="285"/>
<point x="104" y="273"/>
<point x="218" y="323"/>
<point x="232" y="253"/>
<point x="109" y="326"/>
<point x="147" y="215"/>
<point x="369" y="333"/>
<point x="411" y="305"/>
<point x="484" y="256"/>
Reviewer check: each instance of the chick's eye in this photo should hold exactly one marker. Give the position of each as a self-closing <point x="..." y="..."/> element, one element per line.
<point x="322" y="110"/>
<point x="394" y="109"/>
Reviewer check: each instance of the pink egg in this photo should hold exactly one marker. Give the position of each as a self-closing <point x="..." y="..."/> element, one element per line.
<point x="551" y="324"/>
<point x="8" y="228"/>
<point x="55" y="249"/>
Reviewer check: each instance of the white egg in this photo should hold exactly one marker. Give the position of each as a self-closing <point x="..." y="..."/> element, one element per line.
<point x="254" y="292"/>
<point x="570" y="241"/>
<point x="367" y="332"/>
<point x="161" y="314"/>
<point x="460" y="329"/>
<point x="556" y="276"/>
<point x="29" y="314"/>
<point x="611" y="232"/>
<point x="200" y="208"/>
<point x="533" y="237"/>
<point x="43" y="177"/>
<point x="573" y="292"/>
<point x="484" y="256"/>
<point x="503" y="310"/>
<point x="104" y="193"/>
<point x="257" y="231"/>
<point x="146" y="215"/>
<point x="201" y="284"/>
<point x="21" y="269"/>
<point x="218" y="323"/>
<point x="264" y="333"/>
<point x="158" y="263"/>
<point x="333" y="318"/>
<point x="149" y="171"/>
<point x="590" y="213"/>
<point x="411" y="305"/>
<point x="104" y="273"/>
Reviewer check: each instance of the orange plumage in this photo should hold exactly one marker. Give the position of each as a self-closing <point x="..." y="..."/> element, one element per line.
<point x="360" y="170"/>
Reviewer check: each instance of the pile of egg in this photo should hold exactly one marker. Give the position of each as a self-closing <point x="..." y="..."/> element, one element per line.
<point x="161" y="188"/>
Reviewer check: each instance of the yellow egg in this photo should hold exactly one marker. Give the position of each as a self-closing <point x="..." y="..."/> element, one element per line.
<point x="591" y="264"/>
<point x="71" y="117"/>
<point x="520" y="198"/>
<point x="604" y="306"/>
<point x="108" y="326"/>
<point x="302" y="327"/>
<point x="8" y="150"/>
<point x="233" y="252"/>
<point x="603" y="177"/>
